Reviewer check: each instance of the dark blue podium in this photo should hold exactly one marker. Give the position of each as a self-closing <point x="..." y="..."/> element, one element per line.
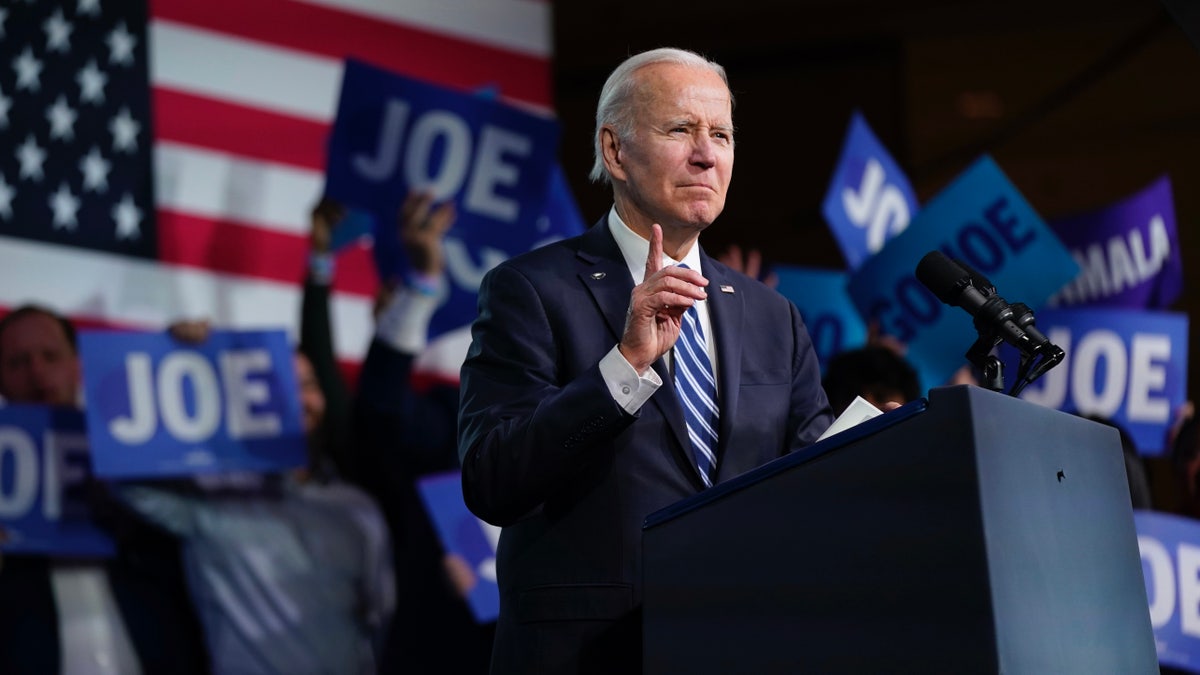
<point x="970" y="532"/>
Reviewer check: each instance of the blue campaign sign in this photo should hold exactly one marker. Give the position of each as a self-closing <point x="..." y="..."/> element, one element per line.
<point x="869" y="200"/>
<point x="821" y="297"/>
<point x="159" y="408"/>
<point x="983" y="220"/>
<point x="394" y="134"/>
<point x="1170" y="550"/>
<point x="1129" y="252"/>
<point x="44" y="470"/>
<point x="464" y="535"/>
<point x="1129" y="366"/>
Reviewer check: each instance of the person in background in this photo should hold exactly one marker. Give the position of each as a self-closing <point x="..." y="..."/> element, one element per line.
<point x="291" y="572"/>
<point x="404" y="428"/>
<point x="1135" y="466"/>
<point x="572" y="422"/>
<point x="875" y="372"/>
<point x="1185" y="458"/>
<point x="130" y="614"/>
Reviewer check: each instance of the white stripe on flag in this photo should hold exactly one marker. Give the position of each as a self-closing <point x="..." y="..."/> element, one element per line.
<point x="252" y="73"/>
<point x="229" y="187"/>
<point x="519" y="25"/>
<point x="116" y="289"/>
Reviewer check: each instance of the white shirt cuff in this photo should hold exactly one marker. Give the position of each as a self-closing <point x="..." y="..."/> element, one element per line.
<point x="404" y="322"/>
<point x="628" y="389"/>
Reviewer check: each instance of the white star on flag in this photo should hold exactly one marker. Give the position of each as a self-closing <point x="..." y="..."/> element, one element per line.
<point x="29" y="71"/>
<point x="6" y="196"/>
<point x="124" y="130"/>
<point x="58" y="33"/>
<point x="121" y="44"/>
<point x="95" y="171"/>
<point x="88" y="7"/>
<point x="65" y="205"/>
<point x="91" y="83"/>
<point x="62" y="119"/>
<point x="31" y="157"/>
<point x="5" y="106"/>
<point x="127" y="216"/>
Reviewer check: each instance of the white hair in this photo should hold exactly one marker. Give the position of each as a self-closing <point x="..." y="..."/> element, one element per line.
<point x="615" y="107"/>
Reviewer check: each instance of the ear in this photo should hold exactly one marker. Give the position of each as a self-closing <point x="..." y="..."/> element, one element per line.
<point x="610" y="146"/>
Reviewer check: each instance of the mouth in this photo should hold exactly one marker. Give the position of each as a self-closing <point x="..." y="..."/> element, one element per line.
<point x="702" y="186"/>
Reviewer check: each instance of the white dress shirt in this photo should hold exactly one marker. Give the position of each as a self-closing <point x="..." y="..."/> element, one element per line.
<point x="628" y="389"/>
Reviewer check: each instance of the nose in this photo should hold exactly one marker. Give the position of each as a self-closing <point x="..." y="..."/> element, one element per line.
<point x="704" y="152"/>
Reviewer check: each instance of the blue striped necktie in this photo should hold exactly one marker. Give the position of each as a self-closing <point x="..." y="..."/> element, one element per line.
<point x="697" y="391"/>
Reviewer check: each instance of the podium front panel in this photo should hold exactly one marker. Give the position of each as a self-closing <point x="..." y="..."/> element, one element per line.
<point x="934" y="544"/>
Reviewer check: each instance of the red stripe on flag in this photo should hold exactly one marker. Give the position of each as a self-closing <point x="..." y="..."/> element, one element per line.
<point x="234" y="248"/>
<point x="239" y="129"/>
<point x="356" y="271"/>
<point x="320" y="30"/>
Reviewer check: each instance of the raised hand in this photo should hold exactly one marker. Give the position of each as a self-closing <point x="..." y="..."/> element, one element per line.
<point x="656" y="307"/>
<point x="325" y="216"/>
<point x="422" y="228"/>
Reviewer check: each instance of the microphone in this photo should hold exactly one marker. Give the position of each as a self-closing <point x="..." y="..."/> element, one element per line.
<point x="959" y="285"/>
<point x="954" y="285"/>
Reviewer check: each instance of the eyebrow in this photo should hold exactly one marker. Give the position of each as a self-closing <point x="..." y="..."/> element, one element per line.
<point x="680" y="122"/>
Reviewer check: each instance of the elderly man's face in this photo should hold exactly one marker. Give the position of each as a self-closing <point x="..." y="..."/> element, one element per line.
<point x="676" y="169"/>
<point x="37" y="362"/>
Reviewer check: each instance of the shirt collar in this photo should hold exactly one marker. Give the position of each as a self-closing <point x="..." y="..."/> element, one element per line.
<point x="634" y="249"/>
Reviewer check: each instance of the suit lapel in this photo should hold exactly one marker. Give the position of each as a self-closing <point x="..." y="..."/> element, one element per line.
<point x="607" y="278"/>
<point x="726" y="308"/>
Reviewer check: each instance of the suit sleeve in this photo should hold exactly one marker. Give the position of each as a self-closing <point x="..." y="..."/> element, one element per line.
<point x="526" y="426"/>
<point x="809" y="414"/>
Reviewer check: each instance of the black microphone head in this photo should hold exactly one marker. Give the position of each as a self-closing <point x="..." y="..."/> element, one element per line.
<point x="943" y="276"/>
<point x="980" y="282"/>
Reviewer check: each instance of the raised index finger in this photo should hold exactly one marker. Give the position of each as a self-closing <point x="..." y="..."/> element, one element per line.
<point x="654" y="259"/>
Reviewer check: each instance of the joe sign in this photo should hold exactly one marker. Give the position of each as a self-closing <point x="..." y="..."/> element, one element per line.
<point x="44" y="471"/>
<point x="158" y="408"/>
<point x="394" y="134"/>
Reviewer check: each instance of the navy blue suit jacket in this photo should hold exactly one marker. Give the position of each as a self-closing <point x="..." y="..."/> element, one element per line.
<point x="550" y="456"/>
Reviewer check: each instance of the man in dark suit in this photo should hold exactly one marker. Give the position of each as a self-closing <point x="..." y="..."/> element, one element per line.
<point x="572" y="423"/>
<point x="128" y="614"/>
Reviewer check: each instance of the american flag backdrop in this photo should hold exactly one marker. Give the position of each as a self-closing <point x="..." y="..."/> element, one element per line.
<point x="159" y="160"/>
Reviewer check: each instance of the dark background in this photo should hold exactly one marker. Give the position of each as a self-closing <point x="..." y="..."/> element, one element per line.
<point x="1081" y="102"/>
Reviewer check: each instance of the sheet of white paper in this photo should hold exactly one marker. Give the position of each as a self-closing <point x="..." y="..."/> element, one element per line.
<point x="858" y="411"/>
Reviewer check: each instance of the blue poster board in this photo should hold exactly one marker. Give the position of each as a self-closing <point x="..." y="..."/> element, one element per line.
<point x="1128" y="366"/>
<point x="1129" y="252"/>
<point x="828" y="313"/>
<point x="981" y="219"/>
<point x="466" y="536"/>
<point x="44" y="475"/>
<point x="869" y="199"/>
<point x="161" y="408"/>
<point x="394" y="134"/>
<point x="1170" y="550"/>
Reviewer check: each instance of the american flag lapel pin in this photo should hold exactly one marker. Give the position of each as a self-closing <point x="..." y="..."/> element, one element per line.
<point x="726" y="288"/>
